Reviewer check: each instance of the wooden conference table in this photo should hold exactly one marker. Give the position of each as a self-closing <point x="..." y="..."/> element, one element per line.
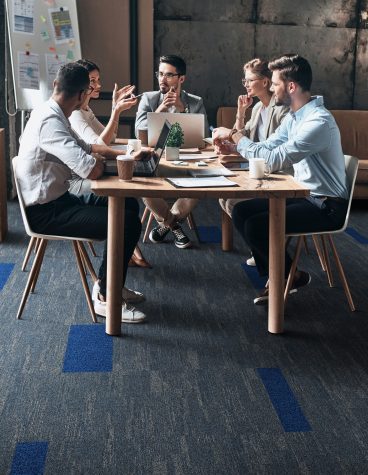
<point x="276" y="188"/>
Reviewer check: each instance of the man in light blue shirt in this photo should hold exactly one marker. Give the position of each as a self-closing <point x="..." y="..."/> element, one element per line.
<point x="308" y="139"/>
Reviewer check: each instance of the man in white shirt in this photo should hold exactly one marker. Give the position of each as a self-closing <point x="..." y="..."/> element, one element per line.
<point x="49" y="151"/>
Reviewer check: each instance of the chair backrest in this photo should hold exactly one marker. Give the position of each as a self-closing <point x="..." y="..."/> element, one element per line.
<point x="29" y="231"/>
<point x="351" y="167"/>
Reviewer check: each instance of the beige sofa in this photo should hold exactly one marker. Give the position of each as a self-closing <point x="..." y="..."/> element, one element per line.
<point x="353" y="125"/>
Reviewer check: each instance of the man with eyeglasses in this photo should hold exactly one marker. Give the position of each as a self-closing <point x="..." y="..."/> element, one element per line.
<point x="49" y="151"/>
<point x="170" y="98"/>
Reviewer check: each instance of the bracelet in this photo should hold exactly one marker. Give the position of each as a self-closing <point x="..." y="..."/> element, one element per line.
<point x="232" y="132"/>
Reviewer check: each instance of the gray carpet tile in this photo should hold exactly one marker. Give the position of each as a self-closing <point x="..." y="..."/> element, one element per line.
<point x="184" y="396"/>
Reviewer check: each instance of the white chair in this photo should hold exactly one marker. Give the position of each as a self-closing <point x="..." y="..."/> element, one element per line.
<point x="351" y="167"/>
<point x="42" y="239"/>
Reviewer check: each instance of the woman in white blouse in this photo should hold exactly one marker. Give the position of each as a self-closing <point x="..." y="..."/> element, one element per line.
<point x="90" y="129"/>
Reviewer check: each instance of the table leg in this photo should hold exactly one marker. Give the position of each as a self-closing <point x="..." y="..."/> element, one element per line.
<point x="277" y="265"/>
<point x="115" y="261"/>
<point x="227" y="232"/>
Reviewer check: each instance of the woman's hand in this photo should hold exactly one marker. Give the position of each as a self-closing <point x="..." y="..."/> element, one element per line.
<point x="244" y="102"/>
<point x="121" y="95"/>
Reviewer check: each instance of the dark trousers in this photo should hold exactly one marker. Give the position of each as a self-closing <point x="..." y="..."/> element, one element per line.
<point x="86" y="216"/>
<point x="302" y="216"/>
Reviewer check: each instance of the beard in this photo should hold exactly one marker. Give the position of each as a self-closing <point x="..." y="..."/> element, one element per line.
<point x="284" y="100"/>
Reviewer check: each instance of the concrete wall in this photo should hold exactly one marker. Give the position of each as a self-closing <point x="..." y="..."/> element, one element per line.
<point x="216" y="38"/>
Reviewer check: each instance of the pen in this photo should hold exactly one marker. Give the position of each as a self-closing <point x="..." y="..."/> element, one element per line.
<point x="135" y="97"/>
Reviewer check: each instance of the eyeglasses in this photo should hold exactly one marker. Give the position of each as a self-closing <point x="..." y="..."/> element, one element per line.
<point x="249" y="81"/>
<point x="160" y="75"/>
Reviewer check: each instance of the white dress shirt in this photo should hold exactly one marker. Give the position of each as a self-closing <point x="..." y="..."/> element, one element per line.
<point x="49" y="151"/>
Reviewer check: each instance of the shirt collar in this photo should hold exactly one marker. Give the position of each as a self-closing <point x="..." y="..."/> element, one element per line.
<point x="55" y="106"/>
<point x="316" y="101"/>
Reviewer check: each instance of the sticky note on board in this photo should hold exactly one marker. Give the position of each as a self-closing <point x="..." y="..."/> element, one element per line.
<point x="43" y="19"/>
<point x="70" y="55"/>
<point x="44" y="35"/>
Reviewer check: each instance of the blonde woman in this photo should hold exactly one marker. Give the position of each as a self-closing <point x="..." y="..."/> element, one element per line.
<point x="265" y="118"/>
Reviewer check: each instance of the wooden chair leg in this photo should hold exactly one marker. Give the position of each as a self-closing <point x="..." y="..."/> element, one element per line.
<point x="293" y="268"/>
<point x="319" y="252"/>
<point x="35" y="279"/>
<point x="41" y="247"/>
<point x="192" y="225"/>
<point x="84" y="280"/>
<point x="145" y="214"/>
<point x="148" y="226"/>
<point x="227" y="232"/>
<point x="31" y="245"/>
<point x="327" y="261"/>
<point x="38" y="242"/>
<point x="305" y="244"/>
<point x="87" y="261"/>
<point x="341" y="273"/>
<point x="92" y="249"/>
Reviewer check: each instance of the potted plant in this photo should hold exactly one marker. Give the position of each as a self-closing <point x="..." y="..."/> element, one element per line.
<point x="174" y="141"/>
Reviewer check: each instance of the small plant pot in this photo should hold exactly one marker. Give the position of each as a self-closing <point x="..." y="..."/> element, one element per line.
<point x="172" y="153"/>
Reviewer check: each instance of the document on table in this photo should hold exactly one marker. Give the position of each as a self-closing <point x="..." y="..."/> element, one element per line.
<point x="203" y="182"/>
<point x="212" y="172"/>
<point x="196" y="156"/>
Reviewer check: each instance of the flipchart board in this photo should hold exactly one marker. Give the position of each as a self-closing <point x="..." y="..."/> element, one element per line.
<point x="43" y="35"/>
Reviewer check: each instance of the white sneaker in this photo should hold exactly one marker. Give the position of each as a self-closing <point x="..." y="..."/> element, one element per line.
<point x="130" y="296"/>
<point x="129" y="314"/>
<point x="251" y="262"/>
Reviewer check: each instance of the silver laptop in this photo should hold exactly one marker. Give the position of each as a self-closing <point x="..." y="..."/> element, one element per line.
<point x="148" y="164"/>
<point x="192" y="125"/>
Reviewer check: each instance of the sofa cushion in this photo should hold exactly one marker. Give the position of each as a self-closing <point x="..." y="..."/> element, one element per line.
<point x="353" y="125"/>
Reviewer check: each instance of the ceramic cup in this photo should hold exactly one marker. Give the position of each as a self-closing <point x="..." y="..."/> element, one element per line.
<point x="256" y="168"/>
<point x="134" y="145"/>
<point x="125" y="167"/>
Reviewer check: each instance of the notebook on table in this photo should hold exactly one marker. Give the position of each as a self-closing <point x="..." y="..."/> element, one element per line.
<point x="149" y="161"/>
<point x="192" y="125"/>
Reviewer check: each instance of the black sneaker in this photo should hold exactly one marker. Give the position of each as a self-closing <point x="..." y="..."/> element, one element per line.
<point x="301" y="281"/>
<point x="181" y="240"/>
<point x="158" y="234"/>
<point x="262" y="298"/>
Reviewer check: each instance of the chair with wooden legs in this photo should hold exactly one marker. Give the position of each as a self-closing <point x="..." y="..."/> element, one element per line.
<point x="41" y="241"/>
<point x="325" y="239"/>
<point x="33" y="246"/>
<point x="149" y="216"/>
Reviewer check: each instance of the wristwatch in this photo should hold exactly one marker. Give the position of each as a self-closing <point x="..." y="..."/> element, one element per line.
<point x="235" y="136"/>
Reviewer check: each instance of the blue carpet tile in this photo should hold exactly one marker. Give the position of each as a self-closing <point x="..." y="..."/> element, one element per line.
<point x="209" y="234"/>
<point x="5" y="271"/>
<point x="358" y="237"/>
<point x="252" y="273"/>
<point x="29" y="458"/>
<point x="89" y="349"/>
<point x="286" y="406"/>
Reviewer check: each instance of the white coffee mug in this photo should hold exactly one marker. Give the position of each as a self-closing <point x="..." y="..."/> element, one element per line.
<point x="256" y="168"/>
<point x="134" y="145"/>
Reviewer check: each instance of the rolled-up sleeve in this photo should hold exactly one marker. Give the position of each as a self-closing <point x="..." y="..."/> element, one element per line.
<point x="56" y="139"/>
<point x="280" y="151"/>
